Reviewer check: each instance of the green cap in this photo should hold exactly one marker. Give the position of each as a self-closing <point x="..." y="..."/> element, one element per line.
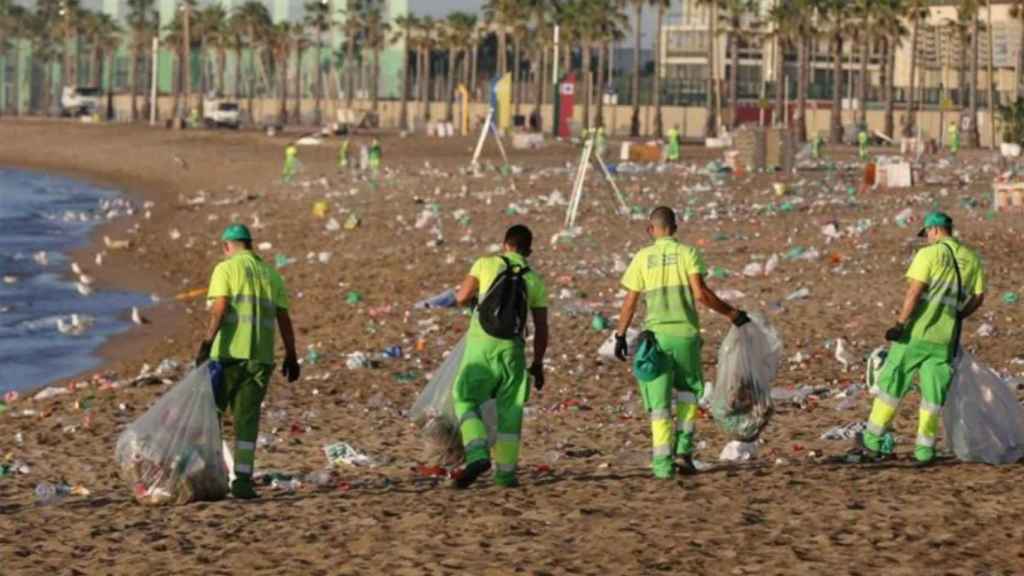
<point x="236" y="233"/>
<point x="936" y="220"/>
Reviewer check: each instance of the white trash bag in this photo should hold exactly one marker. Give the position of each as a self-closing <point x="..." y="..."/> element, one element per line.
<point x="741" y="400"/>
<point x="983" y="420"/>
<point x="434" y="413"/>
<point x="173" y="453"/>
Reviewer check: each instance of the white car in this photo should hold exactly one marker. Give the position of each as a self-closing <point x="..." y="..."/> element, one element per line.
<point x="80" y="101"/>
<point x="221" y="113"/>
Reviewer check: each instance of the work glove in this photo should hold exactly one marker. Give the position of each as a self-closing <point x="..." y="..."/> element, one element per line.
<point x="740" y="319"/>
<point x="895" y="333"/>
<point x="621" y="347"/>
<point x="290" y="369"/>
<point x="537" y="371"/>
<point x="204" y="352"/>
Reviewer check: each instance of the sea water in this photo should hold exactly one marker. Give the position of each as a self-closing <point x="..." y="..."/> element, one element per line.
<point x="42" y="213"/>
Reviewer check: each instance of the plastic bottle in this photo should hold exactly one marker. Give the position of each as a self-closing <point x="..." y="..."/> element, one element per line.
<point x="47" y="493"/>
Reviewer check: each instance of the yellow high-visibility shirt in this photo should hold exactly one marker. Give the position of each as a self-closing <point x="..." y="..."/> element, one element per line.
<point x="255" y="292"/>
<point x="661" y="272"/>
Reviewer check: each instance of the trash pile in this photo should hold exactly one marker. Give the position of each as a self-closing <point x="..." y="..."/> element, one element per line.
<point x="173" y="453"/>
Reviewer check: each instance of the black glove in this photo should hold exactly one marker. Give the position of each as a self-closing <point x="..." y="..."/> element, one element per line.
<point x="895" y="333"/>
<point x="290" y="369"/>
<point x="621" y="347"/>
<point x="537" y="371"/>
<point x="204" y="352"/>
<point x="740" y="319"/>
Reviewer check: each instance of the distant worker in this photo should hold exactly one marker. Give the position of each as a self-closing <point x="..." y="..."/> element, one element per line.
<point x="672" y="152"/>
<point x="291" y="164"/>
<point x="343" y="155"/>
<point x="862" y="144"/>
<point x="947" y="285"/>
<point x="248" y="298"/>
<point x="193" y="118"/>
<point x="816" y="147"/>
<point x="600" y="142"/>
<point x="953" y="135"/>
<point x="670" y="276"/>
<point x="494" y="364"/>
<point x="375" y="157"/>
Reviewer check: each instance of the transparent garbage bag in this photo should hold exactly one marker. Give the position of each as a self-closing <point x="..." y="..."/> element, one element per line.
<point x="434" y="413"/>
<point x="983" y="420"/>
<point x="173" y="454"/>
<point x="741" y="400"/>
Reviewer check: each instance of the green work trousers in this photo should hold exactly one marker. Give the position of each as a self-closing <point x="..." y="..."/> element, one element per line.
<point x="241" y="387"/>
<point x="931" y="362"/>
<point x="492" y="369"/>
<point x="673" y="150"/>
<point x="682" y="381"/>
<point x="291" y="166"/>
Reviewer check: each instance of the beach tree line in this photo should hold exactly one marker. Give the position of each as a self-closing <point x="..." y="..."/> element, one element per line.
<point x="265" y="58"/>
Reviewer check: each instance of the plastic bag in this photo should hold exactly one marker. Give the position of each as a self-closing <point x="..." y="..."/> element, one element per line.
<point x="983" y="420"/>
<point x="173" y="453"/>
<point x="741" y="400"/>
<point x="434" y="413"/>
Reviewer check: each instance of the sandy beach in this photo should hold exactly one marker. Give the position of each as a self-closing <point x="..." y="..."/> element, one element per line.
<point x="587" y="504"/>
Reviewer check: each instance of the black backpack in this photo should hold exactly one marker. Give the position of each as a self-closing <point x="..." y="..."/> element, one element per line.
<point x="503" y="310"/>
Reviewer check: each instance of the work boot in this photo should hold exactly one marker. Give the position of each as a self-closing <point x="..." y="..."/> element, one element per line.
<point x="465" y="478"/>
<point x="685" y="465"/>
<point x="242" y="489"/>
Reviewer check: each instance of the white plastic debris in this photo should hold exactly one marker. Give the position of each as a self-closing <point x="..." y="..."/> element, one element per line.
<point x="737" y="451"/>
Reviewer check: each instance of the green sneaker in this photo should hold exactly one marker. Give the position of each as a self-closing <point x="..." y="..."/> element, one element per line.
<point x="242" y="489"/>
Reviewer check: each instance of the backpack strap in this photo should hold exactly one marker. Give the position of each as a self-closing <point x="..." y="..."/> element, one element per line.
<point x="512" y="267"/>
<point x="958" y="325"/>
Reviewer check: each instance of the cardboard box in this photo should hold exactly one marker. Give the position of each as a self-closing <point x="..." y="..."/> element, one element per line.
<point x="645" y="153"/>
<point x="1008" y="197"/>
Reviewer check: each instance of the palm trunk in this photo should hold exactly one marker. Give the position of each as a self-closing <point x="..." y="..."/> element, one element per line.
<point x="450" y="93"/>
<point x="780" y="114"/>
<point x="282" y="113"/>
<point x="734" y="53"/>
<point x="222" y="65"/>
<point x="135" y="81"/>
<point x="425" y="83"/>
<point x="403" y="119"/>
<point x="862" y="82"/>
<point x="94" y="65"/>
<point x="972" y="86"/>
<point x="803" y="78"/>
<point x="473" y="68"/>
<point x="297" y="96"/>
<point x="634" y="127"/>
<point x="350" y="59"/>
<point x="836" y="118"/>
<point x="888" y="63"/>
<point x="375" y="79"/>
<point x="588" y="82"/>
<point x="176" y="83"/>
<point x="502" y="54"/>
<point x="910" y="120"/>
<point x="237" y="88"/>
<point x="318" y="113"/>
<point x="202" y="71"/>
<point x="658" y="127"/>
<point x="711" y="126"/>
<point x="516" y="78"/>
<point x="599" y="121"/>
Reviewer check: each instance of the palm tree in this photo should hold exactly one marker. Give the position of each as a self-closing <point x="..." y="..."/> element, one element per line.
<point x="406" y="24"/>
<point x="211" y="27"/>
<point x="13" y="20"/>
<point x="834" y="19"/>
<point x="45" y="34"/>
<point x="638" y="8"/>
<point x="252" y="20"/>
<point x="610" y="29"/>
<point x="318" y="18"/>
<point x="917" y="10"/>
<point x="351" y="28"/>
<point x="734" y="14"/>
<point x="278" y="42"/>
<point x="711" y="125"/>
<point x="70" y="12"/>
<point x="865" y="15"/>
<point x="378" y="36"/>
<point x="456" y="29"/>
<point x="101" y="33"/>
<point x="661" y="5"/>
<point x="539" y="11"/>
<point x="1017" y="12"/>
<point x="299" y="45"/>
<point x="892" y="31"/>
<point x="501" y="16"/>
<point x="967" y="10"/>
<point x="142" y="24"/>
<point x="784" y="20"/>
<point x="427" y="32"/>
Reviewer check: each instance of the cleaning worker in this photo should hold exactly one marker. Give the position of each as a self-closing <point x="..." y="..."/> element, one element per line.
<point x="862" y="144"/>
<point x="494" y="364"/>
<point x="670" y="276"/>
<point x="600" y="142"/>
<point x="946" y="286"/>
<point x="291" y="164"/>
<point x="816" y="147"/>
<point x="375" y="157"/>
<point x="248" y="298"/>
<point x="672" y="153"/>
<point x="953" y="136"/>
<point x="343" y="155"/>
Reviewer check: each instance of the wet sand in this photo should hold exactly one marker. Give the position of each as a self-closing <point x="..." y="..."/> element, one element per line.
<point x="587" y="504"/>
